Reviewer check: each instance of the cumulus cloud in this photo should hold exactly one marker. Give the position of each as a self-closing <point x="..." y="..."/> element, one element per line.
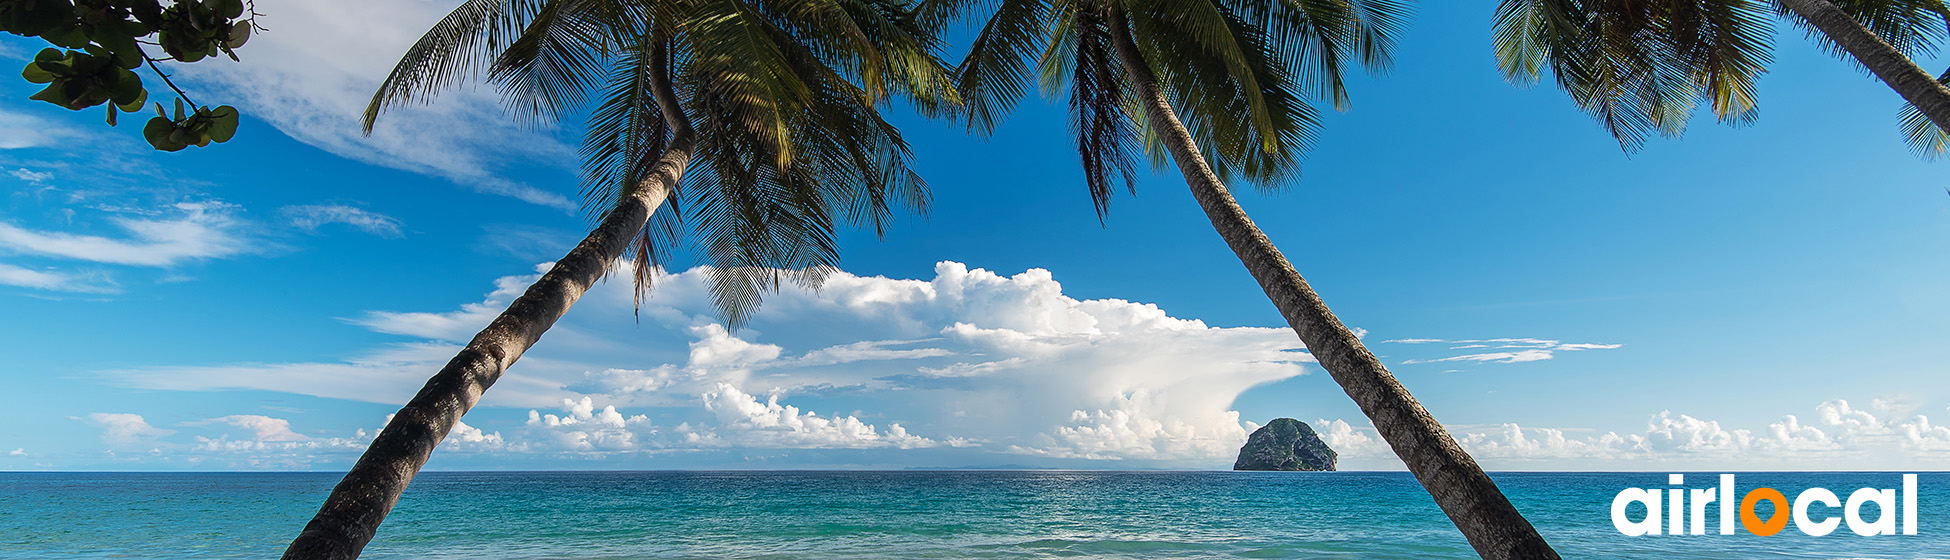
<point x="751" y="423"/>
<point x="584" y="428"/>
<point x="120" y="428"/>
<point x="313" y="216"/>
<point x="968" y="358"/>
<point x="1839" y="435"/>
<point x="194" y="230"/>
<point x="1504" y="350"/>
<point x="262" y="428"/>
<point x="313" y="73"/>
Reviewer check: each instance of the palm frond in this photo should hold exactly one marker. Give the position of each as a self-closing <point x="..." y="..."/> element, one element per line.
<point x="995" y="73"/>
<point x="1913" y="27"/>
<point x="1928" y="140"/>
<point x="1105" y="139"/>
<point x="459" y="47"/>
<point x="559" y="57"/>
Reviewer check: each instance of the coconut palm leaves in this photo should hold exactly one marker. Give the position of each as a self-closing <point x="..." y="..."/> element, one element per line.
<point x="775" y="101"/>
<point x="784" y="97"/>
<point x="1928" y="140"/>
<point x="1220" y="88"/>
<point x="1242" y="72"/>
<point x="1642" y="68"/>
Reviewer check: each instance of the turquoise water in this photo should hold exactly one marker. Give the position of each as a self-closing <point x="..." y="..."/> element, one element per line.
<point x="908" y="514"/>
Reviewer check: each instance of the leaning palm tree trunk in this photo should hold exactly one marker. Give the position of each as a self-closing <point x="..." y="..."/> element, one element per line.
<point x="1916" y="86"/>
<point x="1458" y="485"/>
<point x="353" y="512"/>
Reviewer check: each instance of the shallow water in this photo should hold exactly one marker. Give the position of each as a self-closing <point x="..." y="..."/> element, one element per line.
<point x="907" y="514"/>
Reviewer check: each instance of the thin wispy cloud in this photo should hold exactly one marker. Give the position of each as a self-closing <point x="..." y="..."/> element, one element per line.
<point x="310" y="217"/>
<point x="22" y="130"/>
<point x="193" y="231"/>
<point x="313" y="73"/>
<point x="51" y="280"/>
<point x="30" y="175"/>
<point x="1505" y="350"/>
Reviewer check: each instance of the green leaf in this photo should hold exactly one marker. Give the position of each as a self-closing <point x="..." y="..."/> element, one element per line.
<point x="111" y="116"/>
<point x="53" y="94"/>
<point x="128" y="88"/>
<point x="239" y="34"/>
<point x="127" y="55"/>
<point x="158" y="129"/>
<point x="227" y="9"/>
<point x="142" y="96"/>
<point x="223" y="123"/>
<point x="71" y="37"/>
<point x="35" y="74"/>
<point x="30" y="19"/>
<point x="179" y="110"/>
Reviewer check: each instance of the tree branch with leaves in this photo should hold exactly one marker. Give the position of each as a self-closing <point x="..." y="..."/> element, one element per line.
<point x="98" y="47"/>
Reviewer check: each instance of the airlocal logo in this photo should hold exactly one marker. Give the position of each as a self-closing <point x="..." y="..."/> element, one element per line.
<point x="1685" y="508"/>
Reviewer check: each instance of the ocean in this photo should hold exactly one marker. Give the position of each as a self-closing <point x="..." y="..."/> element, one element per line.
<point x="903" y="514"/>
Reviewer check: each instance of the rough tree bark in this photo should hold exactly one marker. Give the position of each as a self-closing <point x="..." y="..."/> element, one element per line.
<point x="1486" y="518"/>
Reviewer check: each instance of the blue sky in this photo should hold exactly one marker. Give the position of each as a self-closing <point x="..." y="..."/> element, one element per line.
<point x="1766" y="296"/>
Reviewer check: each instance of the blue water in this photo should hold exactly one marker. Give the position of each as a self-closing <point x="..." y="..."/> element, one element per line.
<point x="863" y="515"/>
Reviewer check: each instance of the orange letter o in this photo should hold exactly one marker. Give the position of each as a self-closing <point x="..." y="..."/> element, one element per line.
<point x="1775" y="522"/>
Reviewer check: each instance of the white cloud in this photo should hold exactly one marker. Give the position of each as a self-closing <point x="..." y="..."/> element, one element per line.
<point x="1492" y="357"/>
<point x="124" y="428"/>
<point x="30" y="176"/>
<point x="199" y="230"/>
<point x="869" y="350"/>
<point x="584" y="428"/>
<point x="312" y="74"/>
<point x="453" y="326"/>
<point x="1513" y="350"/>
<point x="20" y="130"/>
<point x="968" y="357"/>
<point x="465" y="438"/>
<point x="746" y="422"/>
<point x="55" y="281"/>
<point x="313" y="216"/>
<point x="389" y="374"/>
<point x="1347" y="441"/>
<point x="18" y="452"/>
<point x="262" y="428"/>
<point x="1840" y="437"/>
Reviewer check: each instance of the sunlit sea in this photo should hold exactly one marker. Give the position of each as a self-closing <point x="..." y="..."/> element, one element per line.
<point x="905" y="514"/>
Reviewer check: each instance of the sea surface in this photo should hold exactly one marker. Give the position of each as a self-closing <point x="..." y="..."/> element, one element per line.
<point x="905" y="514"/>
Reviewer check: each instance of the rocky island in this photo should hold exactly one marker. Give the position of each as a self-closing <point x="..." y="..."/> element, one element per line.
<point x="1285" y="444"/>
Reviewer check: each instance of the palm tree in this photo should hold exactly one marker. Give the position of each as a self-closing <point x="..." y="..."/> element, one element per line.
<point x="760" y="115"/>
<point x="1924" y="136"/>
<point x="1642" y="67"/>
<point x="1239" y="70"/>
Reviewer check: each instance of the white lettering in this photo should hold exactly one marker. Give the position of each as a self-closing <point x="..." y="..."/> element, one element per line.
<point x="1885" y="523"/>
<point x="1650" y="526"/>
<point x="1809" y="497"/>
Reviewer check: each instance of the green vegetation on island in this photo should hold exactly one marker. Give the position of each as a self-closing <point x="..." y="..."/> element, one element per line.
<point x="1285" y="444"/>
